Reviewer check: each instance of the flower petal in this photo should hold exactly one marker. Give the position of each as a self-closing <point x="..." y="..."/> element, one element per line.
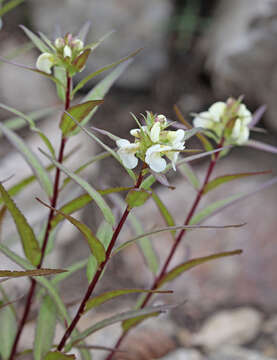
<point x="129" y="160"/>
<point x="122" y="143"/>
<point x="217" y="110"/>
<point x="155" y="132"/>
<point x="45" y="62"/>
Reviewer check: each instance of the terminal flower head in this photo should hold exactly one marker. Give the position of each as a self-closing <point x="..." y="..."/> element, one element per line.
<point x="152" y="143"/>
<point x="228" y="119"/>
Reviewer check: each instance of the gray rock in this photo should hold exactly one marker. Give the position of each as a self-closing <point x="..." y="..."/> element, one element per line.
<point x="229" y="327"/>
<point x="137" y="24"/>
<point x="183" y="354"/>
<point x="241" y="52"/>
<point x="237" y="353"/>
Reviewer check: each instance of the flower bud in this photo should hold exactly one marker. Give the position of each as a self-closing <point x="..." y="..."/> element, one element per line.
<point x="59" y="43"/>
<point x="67" y="51"/>
<point x="77" y="44"/>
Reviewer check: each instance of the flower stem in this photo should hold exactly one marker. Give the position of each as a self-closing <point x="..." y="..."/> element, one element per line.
<point x="54" y="200"/>
<point x="98" y="274"/>
<point x="176" y="242"/>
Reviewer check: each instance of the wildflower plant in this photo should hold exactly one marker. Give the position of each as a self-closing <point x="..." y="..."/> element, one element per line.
<point x="156" y="146"/>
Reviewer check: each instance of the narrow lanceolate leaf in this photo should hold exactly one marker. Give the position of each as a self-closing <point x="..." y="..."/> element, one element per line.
<point x="168" y="218"/>
<point x="115" y="319"/>
<point x="96" y="247"/>
<point x="32" y="125"/>
<point x="145" y="245"/>
<point x="230" y="177"/>
<point x="60" y="74"/>
<point x="37" y="168"/>
<point x="128" y="324"/>
<point x="57" y="355"/>
<point x="35" y="40"/>
<point x="9" y="6"/>
<point x="106" y="147"/>
<point x="45" y="328"/>
<point x="100" y="299"/>
<point x="174" y="228"/>
<point x="261" y="146"/>
<point x="95" y="44"/>
<point x="7" y="331"/>
<point x="88" y="188"/>
<point x="37" y="272"/>
<point x="190" y="175"/>
<point x="29" y="68"/>
<point x="81" y="60"/>
<point x="257" y="116"/>
<point x="79" y="112"/>
<point x="27" y="236"/>
<point x="83" y="82"/>
<point x="178" y="270"/>
<point x="136" y="198"/>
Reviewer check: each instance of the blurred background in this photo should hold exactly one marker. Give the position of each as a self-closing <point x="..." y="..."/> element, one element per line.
<point x="195" y="52"/>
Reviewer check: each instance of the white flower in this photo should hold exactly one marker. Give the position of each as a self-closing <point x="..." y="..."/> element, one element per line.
<point x="153" y="157"/>
<point x="155" y="132"/>
<point x="45" y="62"/>
<point x="208" y="119"/>
<point x="177" y="142"/>
<point x="240" y="132"/>
<point x="136" y="132"/>
<point x="67" y="52"/>
<point x="127" y="153"/>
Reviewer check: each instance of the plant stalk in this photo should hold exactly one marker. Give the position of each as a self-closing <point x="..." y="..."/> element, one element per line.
<point x="96" y="277"/>
<point x="176" y="242"/>
<point x="54" y="200"/>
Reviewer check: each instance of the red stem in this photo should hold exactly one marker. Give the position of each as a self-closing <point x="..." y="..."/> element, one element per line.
<point x="177" y="241"/>
<point x="54" y="200"/>
<point x="96" y="277"/>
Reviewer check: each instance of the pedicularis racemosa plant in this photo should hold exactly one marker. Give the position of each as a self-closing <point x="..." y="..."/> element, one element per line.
<point x="156" y="147"/>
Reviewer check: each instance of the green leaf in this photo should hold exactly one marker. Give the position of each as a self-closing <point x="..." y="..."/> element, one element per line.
<point x="136" y="198"/>
<point x="128" y="324"/>
<point x="164" y="212"/>
<point x="16" y="123"/>
<point x="95" y="158"/>
<point x="178" y="270"/>
<point x="173" y="228"/>
<point x="60" y="74"/>
<point x="35" y="40"/>
<point x="79" y="112"/>
<point x="69" y="271"/>
<point x="230" y="177"/>
<point x="83" y="82"/>
<point x="81" y="60"/>
<point x="213" y="208"/>
<point x="27" y="236"/>
<point x="188" y="172"/>
<point x="32" y="126"/>
<point x="30" y="158"/>
<point x="117" y="318"/>
<point x="145" y="245"/>
<point x="96" y="247"/>
<point x="106" y="147"/>
<point x="29" y="68"/>
<point x="8" y="330"/>
<point x="57" y="355"/>
<point x="109" y="295"/>
<point x="36" y="272"/>
<point x="104" y="234"/>
<point x="108" y="215"/>
<point x="10" y="6"/>
<point x="94" y="45"/>
<point x="45" y="328"/>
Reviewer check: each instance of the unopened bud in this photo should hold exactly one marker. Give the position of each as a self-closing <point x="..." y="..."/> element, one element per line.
<point x="59" y="43"/>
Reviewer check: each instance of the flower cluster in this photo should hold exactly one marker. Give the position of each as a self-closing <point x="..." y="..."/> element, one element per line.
<point x="65" y="53"/>
<point x="229" y="120"/>
<point x="152" y="143"/>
